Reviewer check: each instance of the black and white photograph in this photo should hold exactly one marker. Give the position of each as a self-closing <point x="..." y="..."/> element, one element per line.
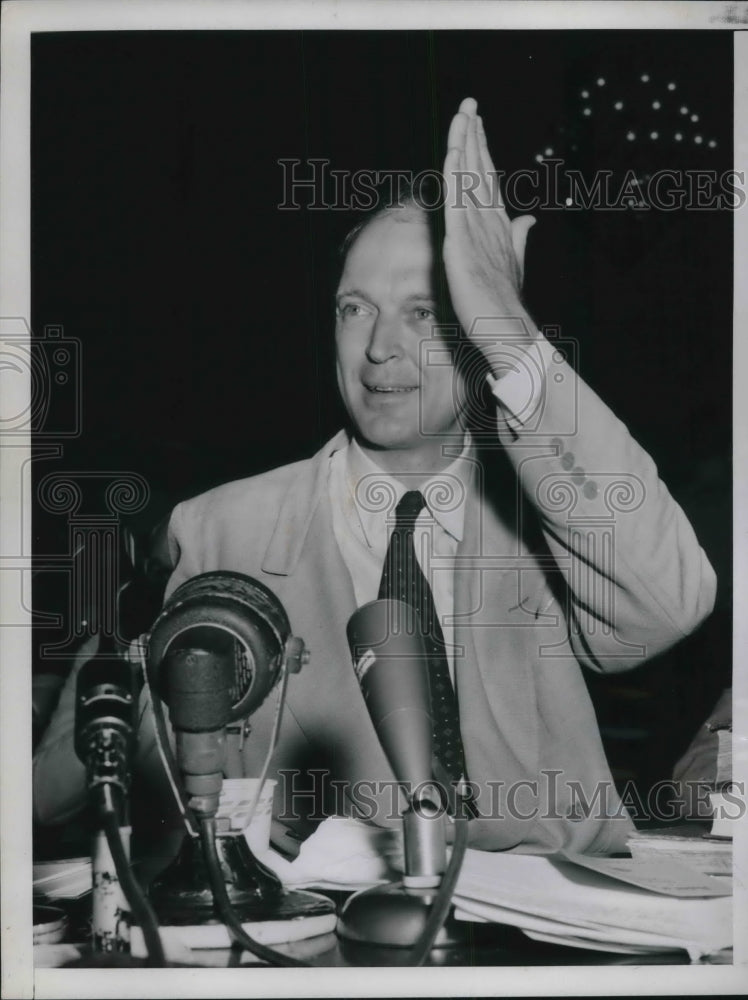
<point x="373" y="493"/>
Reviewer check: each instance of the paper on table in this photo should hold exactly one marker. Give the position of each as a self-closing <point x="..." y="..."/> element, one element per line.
<point x="342" y="853"/>
<point x="531" y="885"/>
<point x="628" y="942"/>
<point x="662" y="875"/>
<point x="570" y="941"/>
<point x="69" y="878"/>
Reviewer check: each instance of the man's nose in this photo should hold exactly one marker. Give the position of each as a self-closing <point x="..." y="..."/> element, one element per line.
<point x="386" y="340"/>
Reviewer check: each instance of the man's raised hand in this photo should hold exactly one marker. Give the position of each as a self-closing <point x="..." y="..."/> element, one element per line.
<point x="484" y="250"/>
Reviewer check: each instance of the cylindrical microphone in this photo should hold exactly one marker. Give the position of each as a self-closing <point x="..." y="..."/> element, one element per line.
<point x="198" y="685"/>
<point x="391" y="666"/>
<point x="105" y="722"/>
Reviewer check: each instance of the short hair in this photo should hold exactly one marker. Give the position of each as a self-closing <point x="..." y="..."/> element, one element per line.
<point x="406" y="198"/>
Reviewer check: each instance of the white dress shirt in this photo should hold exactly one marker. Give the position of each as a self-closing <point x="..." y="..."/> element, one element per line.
<point x="364" y="497"/>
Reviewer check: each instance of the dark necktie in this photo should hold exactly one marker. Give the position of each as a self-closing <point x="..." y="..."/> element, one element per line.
<point x="403" y="580"/>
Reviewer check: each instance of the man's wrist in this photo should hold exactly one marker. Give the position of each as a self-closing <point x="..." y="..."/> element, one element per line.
<point x="520" y="386"/>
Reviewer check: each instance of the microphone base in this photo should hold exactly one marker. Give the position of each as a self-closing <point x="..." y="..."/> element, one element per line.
<point x="392" y="916"/>
<point x="181" y="895"/>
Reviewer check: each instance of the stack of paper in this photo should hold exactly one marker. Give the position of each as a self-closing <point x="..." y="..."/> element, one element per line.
<point x="66" y="879"/>
<point x="687" y="843"/>
<point x="582" y="902"/>
<point x="611" y="904"/>
<point x="296" y="917"/>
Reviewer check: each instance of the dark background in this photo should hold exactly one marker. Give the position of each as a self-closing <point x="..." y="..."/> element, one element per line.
<point x="205" y="313"/>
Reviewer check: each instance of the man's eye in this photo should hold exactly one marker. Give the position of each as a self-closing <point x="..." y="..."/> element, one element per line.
<point x="351" y="310"/>
<point x="422" y="313"/>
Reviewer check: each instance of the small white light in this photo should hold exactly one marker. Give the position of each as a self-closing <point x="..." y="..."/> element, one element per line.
<point x="630" y="136"/>
<point x="569" y="201"/>
<point x="585" y="93"/>
<point x="694" y="118"/>
<point x="698" y="140"/>
<point x="684" y="110"/>
<point x="678" y="136"/>
<point x="548" y="152"/>
<point x="656" y="105"/>
<point x="671" y="86"/>
<point x="618" y="105"/>
<point x="654" y="135"/>
<point x="711" y="144"/>
<point x="587" y="111"/>
<point x="538" y="157"/>
<point x="645" y="77"/>
<point x="601" y="81"/>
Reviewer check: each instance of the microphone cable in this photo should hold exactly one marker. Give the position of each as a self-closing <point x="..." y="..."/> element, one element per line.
<point x="273" y="742"/>
<point x="141" y="909"/>
<point x="226" y="910"/>
<point x="443" y="899"/>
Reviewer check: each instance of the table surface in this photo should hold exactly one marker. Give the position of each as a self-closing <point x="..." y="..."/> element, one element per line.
<point x="486" y="945"/>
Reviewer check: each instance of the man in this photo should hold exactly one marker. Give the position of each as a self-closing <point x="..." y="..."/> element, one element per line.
<point x="546" y="538"/>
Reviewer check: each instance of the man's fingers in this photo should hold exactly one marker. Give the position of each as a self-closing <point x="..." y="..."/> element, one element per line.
<point x="457" y="130"/>
<point x="487" y="165"/>
<point x="520" y="228"/>
<point x="468" y="106"/>
<point x="475" y="181"/>
<point x="451" y="164"/>
<point x="483" y="143"/>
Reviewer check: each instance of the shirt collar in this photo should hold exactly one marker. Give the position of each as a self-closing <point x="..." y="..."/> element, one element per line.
<point x="373" y="491"/>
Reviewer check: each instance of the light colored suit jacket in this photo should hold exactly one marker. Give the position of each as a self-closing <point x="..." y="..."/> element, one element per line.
<point x="574" y="552"/>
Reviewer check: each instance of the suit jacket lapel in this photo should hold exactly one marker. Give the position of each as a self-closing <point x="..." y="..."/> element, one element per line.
<point x="298" y="510"/>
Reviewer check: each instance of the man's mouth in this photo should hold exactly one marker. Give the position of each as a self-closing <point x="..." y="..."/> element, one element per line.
<point x="389" y="388"/>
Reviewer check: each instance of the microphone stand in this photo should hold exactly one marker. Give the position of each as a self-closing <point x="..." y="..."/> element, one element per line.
<point x="104" y="740"/>
<point x="215" y="874"/>
<point x="199" y="685"/>
<point x="402" y="914"/>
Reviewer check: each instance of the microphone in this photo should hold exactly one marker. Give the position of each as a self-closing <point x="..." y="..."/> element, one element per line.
<point x="391" y="665"/>
<point x="219" y="646"/>
<point x="105" y="723"/>
<point x="197" y="686"/>
<point x="215" y="652"/>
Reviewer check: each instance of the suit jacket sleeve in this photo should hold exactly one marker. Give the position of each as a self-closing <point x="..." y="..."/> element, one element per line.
<point x="637" y="580"/>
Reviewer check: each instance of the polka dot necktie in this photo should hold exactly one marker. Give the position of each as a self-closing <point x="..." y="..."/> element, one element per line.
<point x="403" y="580"/>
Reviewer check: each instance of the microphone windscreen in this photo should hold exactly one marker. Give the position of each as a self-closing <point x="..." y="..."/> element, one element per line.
<point x="228" y="615"/>
<point x="392" y="668"/>
<point x="197" y="689"/>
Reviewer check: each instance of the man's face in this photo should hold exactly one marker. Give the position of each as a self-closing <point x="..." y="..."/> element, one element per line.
<point x="399" y="399"/>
